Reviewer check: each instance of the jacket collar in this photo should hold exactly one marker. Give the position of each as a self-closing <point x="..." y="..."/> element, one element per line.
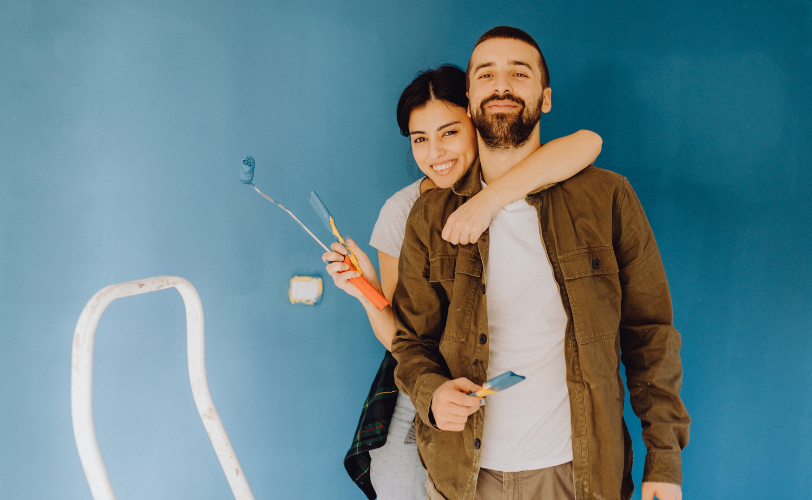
<point x="470" y="183"/>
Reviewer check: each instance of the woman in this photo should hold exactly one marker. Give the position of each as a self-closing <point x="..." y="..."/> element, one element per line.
<point x="431" y="111"/>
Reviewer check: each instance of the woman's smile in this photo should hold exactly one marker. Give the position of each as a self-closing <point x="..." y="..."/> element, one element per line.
<point x="443" y="168"/>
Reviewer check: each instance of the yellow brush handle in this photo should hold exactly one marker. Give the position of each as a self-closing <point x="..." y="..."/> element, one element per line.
<point x="484" y="392"/>
<point x="341" y="240"/>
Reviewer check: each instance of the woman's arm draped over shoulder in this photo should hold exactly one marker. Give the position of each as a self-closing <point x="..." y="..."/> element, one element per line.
<point x="556" y="161"/>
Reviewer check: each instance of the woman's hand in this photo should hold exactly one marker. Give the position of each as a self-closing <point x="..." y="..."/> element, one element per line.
<point x="469" y="221"/>
<point x="338" y="270"/>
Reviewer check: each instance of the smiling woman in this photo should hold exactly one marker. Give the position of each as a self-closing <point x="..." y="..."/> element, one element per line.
<point x="432" y="113"/>
<point x="442" y="152"/>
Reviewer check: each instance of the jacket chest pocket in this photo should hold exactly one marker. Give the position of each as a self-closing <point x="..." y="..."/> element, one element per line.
<point x="459" y="275"/>
<point x="593" y="287"/>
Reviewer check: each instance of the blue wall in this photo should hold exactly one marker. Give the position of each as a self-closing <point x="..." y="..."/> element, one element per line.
<point x="121" y="131"/>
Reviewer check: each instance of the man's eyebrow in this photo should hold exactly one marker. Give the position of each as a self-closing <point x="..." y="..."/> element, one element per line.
<point x="483" y="65"/>
<point x="519" y="63"/>
<point x="511" y="63"/>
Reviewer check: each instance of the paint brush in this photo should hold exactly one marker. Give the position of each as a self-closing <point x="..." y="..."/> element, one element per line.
<point x="499" y="383"/>
<point x="369" y="291"/>
<point x="247" y="177"/>
<point x="330" y="224"/>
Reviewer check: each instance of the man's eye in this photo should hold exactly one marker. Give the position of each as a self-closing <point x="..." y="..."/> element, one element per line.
<point x="485" y="75"/>
<point x="520" y="74"/>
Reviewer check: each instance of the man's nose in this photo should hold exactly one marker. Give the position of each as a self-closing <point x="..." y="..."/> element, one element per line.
<point x="502" y="83"/>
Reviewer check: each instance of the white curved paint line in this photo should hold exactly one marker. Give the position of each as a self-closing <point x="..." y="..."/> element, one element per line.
<point x="82" y="384"/>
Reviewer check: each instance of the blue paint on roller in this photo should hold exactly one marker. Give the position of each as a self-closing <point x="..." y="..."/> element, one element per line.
<point x="247" y="172"/>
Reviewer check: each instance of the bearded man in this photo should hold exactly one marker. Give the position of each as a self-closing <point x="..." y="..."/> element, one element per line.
<point x="563" y="286"/>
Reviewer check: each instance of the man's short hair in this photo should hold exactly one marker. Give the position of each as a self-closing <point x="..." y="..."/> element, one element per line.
<point x="511" y="34"/>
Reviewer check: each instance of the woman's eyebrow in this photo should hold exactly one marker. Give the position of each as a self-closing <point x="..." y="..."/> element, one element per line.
<point x="441" y="127"/>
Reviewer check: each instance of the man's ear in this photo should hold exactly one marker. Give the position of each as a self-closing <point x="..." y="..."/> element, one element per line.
<point x="468" y="108"/>
<point x="547" y="100"/>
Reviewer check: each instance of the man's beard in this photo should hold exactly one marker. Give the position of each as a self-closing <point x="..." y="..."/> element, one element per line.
<point x="506" y="130"/>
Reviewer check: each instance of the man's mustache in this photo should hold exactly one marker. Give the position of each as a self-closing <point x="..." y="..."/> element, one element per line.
<point x="503" y="97"/>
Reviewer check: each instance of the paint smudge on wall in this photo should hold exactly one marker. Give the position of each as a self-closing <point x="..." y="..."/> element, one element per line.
<point x="305" y="290"/>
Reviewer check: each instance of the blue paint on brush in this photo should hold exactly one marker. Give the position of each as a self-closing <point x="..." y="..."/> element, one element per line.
<point x="247" y="172"/>
<point x="321" y="210"/>
<point x="505" y="380"/>
<point x="499" y="383"/>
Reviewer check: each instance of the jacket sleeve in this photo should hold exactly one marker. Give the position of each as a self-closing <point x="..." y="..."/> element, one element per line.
<point x="420" y="310"/>
<point x="650" y="344"/>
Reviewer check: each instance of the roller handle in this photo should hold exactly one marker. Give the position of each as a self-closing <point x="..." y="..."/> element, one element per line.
<point x="369" y="291"/>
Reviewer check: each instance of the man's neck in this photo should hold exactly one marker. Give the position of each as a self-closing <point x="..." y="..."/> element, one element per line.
<point x="496" y="163"/>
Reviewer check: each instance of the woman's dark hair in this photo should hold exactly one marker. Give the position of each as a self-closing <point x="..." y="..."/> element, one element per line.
<point x="446" y="83"/>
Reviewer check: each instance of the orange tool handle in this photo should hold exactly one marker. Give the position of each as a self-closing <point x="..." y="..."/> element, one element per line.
<point x="369" y="291"/>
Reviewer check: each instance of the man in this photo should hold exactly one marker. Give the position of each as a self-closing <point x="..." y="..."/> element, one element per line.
<point x="556" y="289"/>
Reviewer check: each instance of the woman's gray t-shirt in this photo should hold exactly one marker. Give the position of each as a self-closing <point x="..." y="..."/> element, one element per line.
<point x="390" y="229"/>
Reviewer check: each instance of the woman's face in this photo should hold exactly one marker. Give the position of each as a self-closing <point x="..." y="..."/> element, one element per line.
<point x="443" y="141"/>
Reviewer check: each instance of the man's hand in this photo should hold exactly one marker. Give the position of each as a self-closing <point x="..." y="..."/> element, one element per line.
<point x="451" y="404"/>
<point x="470" y="220"/>
<point x="663" y="491"/>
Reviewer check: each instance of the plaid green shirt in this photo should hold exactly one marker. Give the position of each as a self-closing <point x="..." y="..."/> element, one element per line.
<point x="373" y="425"/>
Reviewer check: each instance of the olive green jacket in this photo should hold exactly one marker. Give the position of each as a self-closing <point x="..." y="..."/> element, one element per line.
<point x="614" y="291"/>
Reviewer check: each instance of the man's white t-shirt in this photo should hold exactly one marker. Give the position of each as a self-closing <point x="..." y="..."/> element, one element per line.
<point x="528" y="426"/>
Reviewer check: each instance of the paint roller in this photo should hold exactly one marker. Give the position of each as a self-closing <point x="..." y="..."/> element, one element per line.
<point x="369" y="291"/>
<point x="247" y="177"/>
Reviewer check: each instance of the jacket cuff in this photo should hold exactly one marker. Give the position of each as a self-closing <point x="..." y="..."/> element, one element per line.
<point x="663" y="468"/>
<point x="426" y="385"/>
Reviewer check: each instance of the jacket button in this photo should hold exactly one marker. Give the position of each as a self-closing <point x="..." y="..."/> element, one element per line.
<point x="596" y="263"/>
<point x="483" y="288"/>
<point x="477" y="444"/>
<point x="483" y="338"/>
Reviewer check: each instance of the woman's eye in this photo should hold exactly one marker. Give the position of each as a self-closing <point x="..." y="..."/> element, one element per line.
<point x="418" y="140"/>
<point x="450" y="132"/>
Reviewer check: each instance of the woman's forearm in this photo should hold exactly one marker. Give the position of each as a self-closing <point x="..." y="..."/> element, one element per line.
<point x="556" y="161"/>
<point x="382" y="322"/>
